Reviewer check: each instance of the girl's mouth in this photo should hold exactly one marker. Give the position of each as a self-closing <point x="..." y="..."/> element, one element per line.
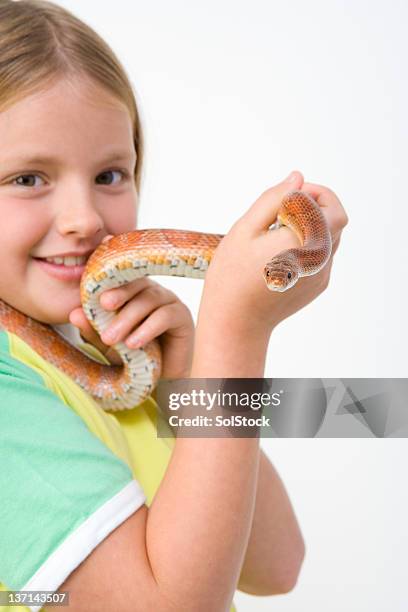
<point x="60" y="271"/>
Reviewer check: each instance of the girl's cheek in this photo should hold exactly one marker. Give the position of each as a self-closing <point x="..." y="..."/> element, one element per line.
<point x="23" y="226"/>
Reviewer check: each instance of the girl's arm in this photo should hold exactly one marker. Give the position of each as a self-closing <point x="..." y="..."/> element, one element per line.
<point x="210" y="487"/>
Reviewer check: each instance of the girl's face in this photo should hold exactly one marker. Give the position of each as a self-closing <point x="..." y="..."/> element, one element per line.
<point x="67" y="161"/>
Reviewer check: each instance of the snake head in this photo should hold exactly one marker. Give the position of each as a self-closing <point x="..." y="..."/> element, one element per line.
<point x="280" y="273"/>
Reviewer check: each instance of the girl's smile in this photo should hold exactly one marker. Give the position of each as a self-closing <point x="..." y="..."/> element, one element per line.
<point x="61" y="271"/>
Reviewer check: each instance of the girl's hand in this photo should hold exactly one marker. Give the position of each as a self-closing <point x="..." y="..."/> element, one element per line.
<point x="235" y="295"/>
<point x="147" y="311"/>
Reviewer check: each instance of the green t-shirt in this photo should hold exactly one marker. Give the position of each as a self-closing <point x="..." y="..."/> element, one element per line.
<point x="70" y="471"/>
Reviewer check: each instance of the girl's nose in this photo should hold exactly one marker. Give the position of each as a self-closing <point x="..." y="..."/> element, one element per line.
<point x="77" y="213"/>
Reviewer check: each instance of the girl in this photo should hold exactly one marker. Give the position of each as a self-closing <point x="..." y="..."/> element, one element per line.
<point x="93" y="502"/>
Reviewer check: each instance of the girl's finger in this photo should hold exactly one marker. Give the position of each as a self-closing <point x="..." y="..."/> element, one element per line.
<point x="328" y="200"/>
<point x="112" y="299"/>
<point x="264" y="210"/>
<point x="78" y="318"/>
<point x="137" y="309"/>
<point x="335" y="245"/>
<point x="167" y="317"/>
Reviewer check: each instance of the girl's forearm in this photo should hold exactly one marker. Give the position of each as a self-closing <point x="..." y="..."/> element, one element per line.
<point x="200" y="519"/>
<point x="275" y="548"/>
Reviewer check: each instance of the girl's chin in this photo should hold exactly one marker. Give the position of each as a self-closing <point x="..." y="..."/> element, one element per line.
<point x="55" y="314"/>
<point x="54" y="308"/>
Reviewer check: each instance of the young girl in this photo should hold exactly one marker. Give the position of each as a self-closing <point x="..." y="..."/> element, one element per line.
<point x="93" y="502"/>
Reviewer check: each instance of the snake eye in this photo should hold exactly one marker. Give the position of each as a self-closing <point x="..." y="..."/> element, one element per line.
<point x="289" y="274"/>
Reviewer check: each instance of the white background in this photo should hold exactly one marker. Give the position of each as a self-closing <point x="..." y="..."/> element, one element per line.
<point x="233" y="96"/>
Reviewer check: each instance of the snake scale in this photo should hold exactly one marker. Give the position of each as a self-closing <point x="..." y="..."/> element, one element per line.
<point x="138" y="253"/>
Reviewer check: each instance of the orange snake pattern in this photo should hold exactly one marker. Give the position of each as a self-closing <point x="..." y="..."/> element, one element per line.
<point x="132" y="255"/>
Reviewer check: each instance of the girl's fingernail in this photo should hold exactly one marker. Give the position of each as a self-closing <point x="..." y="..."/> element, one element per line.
<point x="134" y="342"/>
<point x="291" y="177"/>
<point x="110" y="334"/>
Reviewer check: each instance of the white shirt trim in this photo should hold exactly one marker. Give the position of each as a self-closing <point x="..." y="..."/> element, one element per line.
<point x="79" y="544"/>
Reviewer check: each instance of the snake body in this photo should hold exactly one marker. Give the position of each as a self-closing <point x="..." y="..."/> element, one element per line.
<point x="138" y="253"/>
<point x="302" y="214"/>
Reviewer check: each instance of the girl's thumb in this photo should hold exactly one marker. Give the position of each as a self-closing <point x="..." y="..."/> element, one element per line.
<point x="264" y="210"/>
<point x="77" y="317"/>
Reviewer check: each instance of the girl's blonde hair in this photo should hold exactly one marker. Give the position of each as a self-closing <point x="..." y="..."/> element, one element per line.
<point x="40" y="42"/>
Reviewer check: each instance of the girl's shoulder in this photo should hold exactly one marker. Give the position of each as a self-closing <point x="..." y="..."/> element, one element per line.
<point x="37" y="394"/>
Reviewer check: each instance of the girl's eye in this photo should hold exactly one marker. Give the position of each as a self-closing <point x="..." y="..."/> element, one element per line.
<point x="106" y="176"/>
<point x="25" y="182"/>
